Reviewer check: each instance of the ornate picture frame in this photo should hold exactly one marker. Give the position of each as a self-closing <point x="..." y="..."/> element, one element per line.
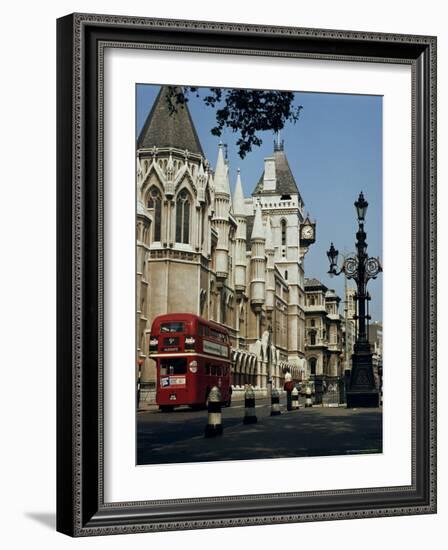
<point x="81" y="506"/>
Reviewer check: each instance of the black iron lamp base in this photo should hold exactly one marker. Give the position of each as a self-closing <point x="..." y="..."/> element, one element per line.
<point x="362" y="390"/>
<point x="359" y="399"/>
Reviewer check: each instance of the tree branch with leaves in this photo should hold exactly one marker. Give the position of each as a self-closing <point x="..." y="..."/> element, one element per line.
<point x="242" y="111"/>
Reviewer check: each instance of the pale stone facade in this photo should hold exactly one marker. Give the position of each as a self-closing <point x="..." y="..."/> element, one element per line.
<point x="234" y="260"/>
<point x="324" y="342"/>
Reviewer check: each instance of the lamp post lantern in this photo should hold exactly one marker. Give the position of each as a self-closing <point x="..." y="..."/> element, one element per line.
<point x="362" y="390"/>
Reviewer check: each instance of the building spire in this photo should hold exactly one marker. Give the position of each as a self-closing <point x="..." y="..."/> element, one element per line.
<point x="258" y="229"/>
<point x="164" y="128"/>
<point x="238" y="197"/>
<point x="221" y="178"/>
<point x="277" y="175"/>
<point x="278" y="144"/>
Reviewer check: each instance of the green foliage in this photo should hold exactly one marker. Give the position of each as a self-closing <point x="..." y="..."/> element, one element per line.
<point x="246" y="112"/>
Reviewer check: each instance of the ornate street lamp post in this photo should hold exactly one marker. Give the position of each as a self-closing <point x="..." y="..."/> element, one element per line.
<point x="362" y="390"/>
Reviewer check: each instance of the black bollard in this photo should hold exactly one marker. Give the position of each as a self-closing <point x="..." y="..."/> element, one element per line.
<point x="250" y="416"/>
<point x="341" y="391"/>
<point x="275" y="402"/>
<point x="214" y="422"/>
<point x="295" y="399"/>
<point x="318" y="389"/>
<point x="308" y="400"/>
<point x="288" y="400"/>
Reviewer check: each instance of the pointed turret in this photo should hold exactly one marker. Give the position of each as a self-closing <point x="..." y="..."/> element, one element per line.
<point x="238" y="197"/>
<point x="240" y="236"/>
<point x="164" y="128"/>
<point x="201" y="173"/>
<point x="258" y="229"/>
<point x="222" y="184"/>
<point x="221" y="216"/>
<point x="258" y="263"/>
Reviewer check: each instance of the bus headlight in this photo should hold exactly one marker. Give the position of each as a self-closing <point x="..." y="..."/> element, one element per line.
<point x="189" y="342"/>
<point x="193" y="367"/>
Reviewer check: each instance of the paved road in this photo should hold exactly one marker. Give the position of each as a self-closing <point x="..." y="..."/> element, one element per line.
<point x="319" y="431"/>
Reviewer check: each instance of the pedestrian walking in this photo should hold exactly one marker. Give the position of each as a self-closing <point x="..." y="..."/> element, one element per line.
<point x="288" y="387"/>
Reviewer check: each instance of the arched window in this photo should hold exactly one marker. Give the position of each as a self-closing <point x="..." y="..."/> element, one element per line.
<point x="283" y="227"/>
<point x="313" y="338"/>
<point x="313" y="362"/>
<point x="286" y="274"/>
<point x="155" y="204"/>
<point x="183" y="217"/>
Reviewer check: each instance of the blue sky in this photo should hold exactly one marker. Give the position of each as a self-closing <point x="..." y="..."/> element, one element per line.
<point x="334" y="151"/>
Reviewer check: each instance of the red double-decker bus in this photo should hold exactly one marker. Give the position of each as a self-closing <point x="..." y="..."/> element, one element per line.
<point x="192" y="356"/>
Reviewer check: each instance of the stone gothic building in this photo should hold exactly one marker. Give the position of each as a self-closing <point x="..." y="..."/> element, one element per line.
<point x="231" y="259"/>
<point x="324" y="334"/>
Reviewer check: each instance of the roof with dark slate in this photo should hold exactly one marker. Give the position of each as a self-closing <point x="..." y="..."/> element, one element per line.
<point x="314" y="283"/>
<point x="286" y="184"/>
<point x="165" y="129"/>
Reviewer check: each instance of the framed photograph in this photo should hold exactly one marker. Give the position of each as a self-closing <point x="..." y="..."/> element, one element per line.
<point x="246" y="275"/>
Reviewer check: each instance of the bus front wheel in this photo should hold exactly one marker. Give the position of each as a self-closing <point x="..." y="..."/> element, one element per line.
<point x="166" y="408"/>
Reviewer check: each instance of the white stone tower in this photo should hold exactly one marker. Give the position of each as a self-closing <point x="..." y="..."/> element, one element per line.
<point x="281" y="202"/>
<point x="239" y="212"/>
<point x="258" y="266"/>
<point x="221" y="216"/>
<point x="173" y="218"/>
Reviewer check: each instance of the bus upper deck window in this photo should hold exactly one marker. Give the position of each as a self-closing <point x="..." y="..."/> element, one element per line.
<point x="217" y="335"/>
<point x="172" y="326"/>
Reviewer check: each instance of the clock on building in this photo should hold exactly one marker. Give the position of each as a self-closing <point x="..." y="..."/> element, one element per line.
<point x="307" y="232"/>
